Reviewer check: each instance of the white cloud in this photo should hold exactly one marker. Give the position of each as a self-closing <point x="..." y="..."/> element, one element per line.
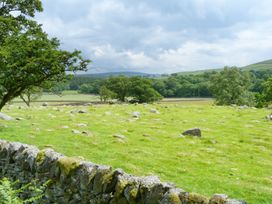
<point x="158" y="36"/>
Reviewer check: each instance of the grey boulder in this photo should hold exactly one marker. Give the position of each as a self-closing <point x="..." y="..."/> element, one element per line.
<point x="196" y="132"/>
<point x="5" y="117"/>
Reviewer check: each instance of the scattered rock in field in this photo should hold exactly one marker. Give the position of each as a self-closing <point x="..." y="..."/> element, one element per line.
<point x="213" y="141"/>
<point x="136" y="114"/>
<point x="76" y="131"/>
<point x="120" y="141"/>
<point x="45" y="104"/>
<point x="19" y="119"/>
<point x="65" y="127"/>
<point x="153" y="110"/>
<point x="57" y="109"/>
<point x="82" y="111"/>
<point x="119" y="136"/>
<point x="243" y="107"/>
<point x="51" y="115"/>
<point x="50" y="130"/>
<point x="5" y="117"/>
<point x="196" y="132"/>
<point x="87" y="133"/>
<point x="108" y="113"/>
<point x="269" y="117"/>
<point x="81" y="125"/>
<point x="249" y="126"/>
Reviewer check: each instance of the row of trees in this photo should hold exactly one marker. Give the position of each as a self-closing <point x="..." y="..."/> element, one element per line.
<point x="230" y="86"/>
<point x="122" y="88"/>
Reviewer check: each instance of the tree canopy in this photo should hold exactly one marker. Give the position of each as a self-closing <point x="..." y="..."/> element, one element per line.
<point x="28" y="57"/>
<point x="231" y="86"/>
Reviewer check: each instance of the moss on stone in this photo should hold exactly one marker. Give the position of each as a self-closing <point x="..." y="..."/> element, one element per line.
<point x="194" y="198"/>
<point x="133" y="193"/>
<point x="40" y="157"/>
<point x="68" y="164"/>
<point x="120" y="187"/>
<point x="174" y="198"/>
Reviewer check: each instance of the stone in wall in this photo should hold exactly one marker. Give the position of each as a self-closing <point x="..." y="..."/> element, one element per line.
<point x="74" y="181"/>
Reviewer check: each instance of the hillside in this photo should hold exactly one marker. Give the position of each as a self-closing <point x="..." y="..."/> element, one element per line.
<point x="109" y="74"/>
<point x="259" y="66"/>
<point x="264" y="65"/>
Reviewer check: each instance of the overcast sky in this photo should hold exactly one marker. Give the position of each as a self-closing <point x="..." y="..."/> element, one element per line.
<point x="162" y="36"/>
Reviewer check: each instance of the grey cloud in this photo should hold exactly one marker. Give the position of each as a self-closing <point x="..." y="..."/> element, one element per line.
<point x="162" y="36"/>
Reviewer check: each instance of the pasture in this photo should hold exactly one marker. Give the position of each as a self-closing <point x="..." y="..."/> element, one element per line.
<point x="233" y="156"/>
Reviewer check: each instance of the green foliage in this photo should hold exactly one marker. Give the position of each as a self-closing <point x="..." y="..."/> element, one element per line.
<point x="25" y="7"/>
<point x="264" y="98"/>
<point x="28" y="57"/>
<point x="10" y="195"/>
<point x="231" y="86"/>
<point x="106" y="94"/>
<point x="267" y="90"/>
<point x="91" y="87"/>
<point x="120" y="85"/>
<point x="141" y="90"/>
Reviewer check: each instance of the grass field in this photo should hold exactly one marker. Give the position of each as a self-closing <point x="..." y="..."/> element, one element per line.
<point x="233" y="156"/>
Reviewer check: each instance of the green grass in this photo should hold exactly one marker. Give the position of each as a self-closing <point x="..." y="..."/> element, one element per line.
<point x="233" y="156"/>
<point x="72" y="96"/>
<point x="259" y="66"/>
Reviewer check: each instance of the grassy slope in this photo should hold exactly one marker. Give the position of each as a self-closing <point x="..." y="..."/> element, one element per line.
<point x="257" y="66"/>
<point x="233" y="157"/>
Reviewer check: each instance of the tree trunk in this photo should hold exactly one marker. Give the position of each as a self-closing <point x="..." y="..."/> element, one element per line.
<point x="3" y="103"/>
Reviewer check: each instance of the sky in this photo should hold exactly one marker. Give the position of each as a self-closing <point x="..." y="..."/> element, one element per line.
<point x="162" y="36"/>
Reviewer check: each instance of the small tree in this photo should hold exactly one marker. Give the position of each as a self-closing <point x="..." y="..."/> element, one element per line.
<point x="31" y="94"/>
<point x="231" y="86"/>
<point x="141" y="90"/>
<point x="264" y="98"/>
<point x="106" y="94"/>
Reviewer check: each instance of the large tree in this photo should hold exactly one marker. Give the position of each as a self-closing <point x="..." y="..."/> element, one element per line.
<point x="119" y="85"/>
<point x="28" y="57"/>
<point x="231" y="86"/>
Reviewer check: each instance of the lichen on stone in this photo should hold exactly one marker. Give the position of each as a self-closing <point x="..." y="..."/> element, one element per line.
<point x="195" y="198"/>
<point x="68" y="164"/>
<point x="40" y="157"/>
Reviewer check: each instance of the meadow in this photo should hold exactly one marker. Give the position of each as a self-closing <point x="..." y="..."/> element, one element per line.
<point x="233" y="156"/>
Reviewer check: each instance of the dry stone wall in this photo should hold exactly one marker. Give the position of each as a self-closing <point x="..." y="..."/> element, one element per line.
<point x="74" y="181"/>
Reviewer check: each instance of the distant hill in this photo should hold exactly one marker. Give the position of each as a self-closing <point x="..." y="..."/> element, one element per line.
<point x="256" y="66"/>
<point x="264" y="65"/>
<point x="259" y="66"/>
<point x="110" y="74"/>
